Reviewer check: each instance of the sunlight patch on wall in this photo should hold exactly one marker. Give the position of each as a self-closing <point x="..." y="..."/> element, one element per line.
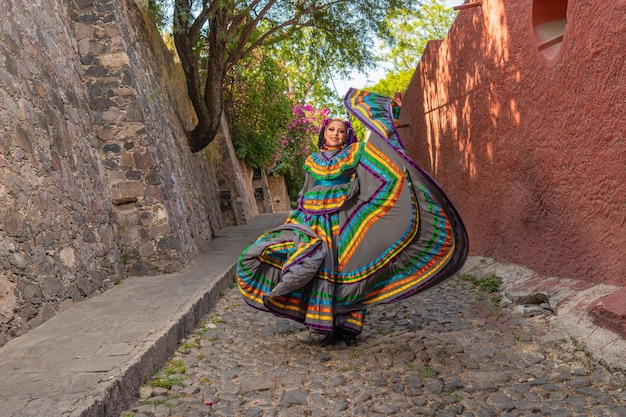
<point x="434" y="139"/>
<point x="514" y="112"/>
<point x="495" y="108"/>
<point x="431" y="105"/>
<point x="489" y="151"/>
<point x="444" y="78"/>
<point x="465" y="141"/>
<point x="473" y="79"/>
<point x="498" y="31"/>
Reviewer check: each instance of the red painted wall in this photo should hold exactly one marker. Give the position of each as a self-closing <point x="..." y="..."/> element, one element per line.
<point x="530" y="145"/>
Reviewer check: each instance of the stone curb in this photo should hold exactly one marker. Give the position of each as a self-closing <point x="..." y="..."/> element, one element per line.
<point x="610" y="312"/>
<point x="91" y="359"/>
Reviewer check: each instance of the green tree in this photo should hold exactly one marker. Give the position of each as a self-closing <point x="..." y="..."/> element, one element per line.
<point x="411" y="31"/>
<point x="393" y="83"/>
<point x="309" y="70"/>
<point x="257" y="108"/>
<point x="212" y="36"/>
<point x="269" y="127"/>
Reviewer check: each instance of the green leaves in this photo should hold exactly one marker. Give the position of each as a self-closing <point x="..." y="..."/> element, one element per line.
<point x="257" y="107"/>
<point x="411" y="31"/>
<point x="260" y="58"/>
<point x="296" y="143"/>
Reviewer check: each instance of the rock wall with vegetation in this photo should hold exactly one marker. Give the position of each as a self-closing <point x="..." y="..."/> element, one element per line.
<point x="97" y="182"/>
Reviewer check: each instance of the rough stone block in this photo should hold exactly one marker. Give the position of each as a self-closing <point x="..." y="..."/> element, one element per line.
<point x="610" y="312"/>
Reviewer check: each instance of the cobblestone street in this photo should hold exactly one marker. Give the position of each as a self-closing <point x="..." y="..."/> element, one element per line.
<point x="452" y="351"/>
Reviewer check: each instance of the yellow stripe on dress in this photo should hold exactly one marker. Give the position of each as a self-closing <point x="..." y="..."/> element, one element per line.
<point x="412" y="282"/>
<point x="383" y="207"/>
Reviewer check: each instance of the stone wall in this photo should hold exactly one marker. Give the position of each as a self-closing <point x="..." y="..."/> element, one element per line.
<point x="279" y="195"/>
<point x="58" y="243"/>
<point x="164" y="197"/>
<point x="519" y="114"/>
<point x="96" y="179"/>
<point x="236" y="197"/>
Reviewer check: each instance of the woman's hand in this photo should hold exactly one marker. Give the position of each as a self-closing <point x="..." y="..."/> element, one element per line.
<point x="397" y="99"/>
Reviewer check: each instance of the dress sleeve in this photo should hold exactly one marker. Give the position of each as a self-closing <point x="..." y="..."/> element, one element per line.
<point x="377" y="115"/>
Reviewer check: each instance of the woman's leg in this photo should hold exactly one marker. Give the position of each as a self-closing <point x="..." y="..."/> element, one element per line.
<point x="347" y="327"/>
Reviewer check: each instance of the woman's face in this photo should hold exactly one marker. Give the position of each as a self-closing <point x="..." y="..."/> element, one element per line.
<point x="335" y="133"/>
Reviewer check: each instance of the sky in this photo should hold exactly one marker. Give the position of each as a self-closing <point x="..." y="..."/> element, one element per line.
<point x="358" y="80"/>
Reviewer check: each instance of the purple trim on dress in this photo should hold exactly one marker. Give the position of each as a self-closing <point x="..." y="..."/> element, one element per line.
<point x="358" y="209"/>
<point x="438" y="190"/>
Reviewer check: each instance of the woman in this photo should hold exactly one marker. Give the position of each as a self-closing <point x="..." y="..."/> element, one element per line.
<point x="370" y="228"/>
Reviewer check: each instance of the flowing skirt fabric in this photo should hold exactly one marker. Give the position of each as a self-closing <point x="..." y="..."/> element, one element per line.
<point x="386" y="235"/>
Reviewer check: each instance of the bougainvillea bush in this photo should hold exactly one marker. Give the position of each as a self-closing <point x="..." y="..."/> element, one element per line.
<point x="295" y="144"/>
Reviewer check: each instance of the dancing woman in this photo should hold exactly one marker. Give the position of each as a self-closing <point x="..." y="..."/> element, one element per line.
<point x="370" y="228"/>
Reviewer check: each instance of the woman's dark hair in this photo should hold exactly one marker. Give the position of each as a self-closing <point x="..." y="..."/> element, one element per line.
<point x="350" y="134"/>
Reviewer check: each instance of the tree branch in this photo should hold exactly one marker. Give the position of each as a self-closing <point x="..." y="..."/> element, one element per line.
<point x="202" y="18"/>
<point x="242" y="17"/>
<point x="241" y="50"/>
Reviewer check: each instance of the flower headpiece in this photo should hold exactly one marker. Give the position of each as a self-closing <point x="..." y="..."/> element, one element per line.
<point x="350" y="134"/>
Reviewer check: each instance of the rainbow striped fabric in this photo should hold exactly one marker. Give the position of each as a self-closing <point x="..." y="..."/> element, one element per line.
<point x="370" y="228"/>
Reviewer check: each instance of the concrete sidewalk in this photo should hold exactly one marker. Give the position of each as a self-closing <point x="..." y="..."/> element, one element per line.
<point x="91" y="359"/>
<point x="574" y="304"/>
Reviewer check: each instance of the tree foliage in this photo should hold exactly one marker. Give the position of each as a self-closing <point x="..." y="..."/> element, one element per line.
<point x="307" y="70"/>
<point x="269" y="128"/>
<point x="212" y="36"/>
<point x="296" y="143"/>
<point x="412" y="29"/>
<point x="393" y="83"/>
<point x="269" y="65"/>
<point x="257" y="108"/>
<point x="411" y="32"/>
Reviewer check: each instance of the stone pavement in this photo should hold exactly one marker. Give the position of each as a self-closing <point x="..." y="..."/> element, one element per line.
<point x="454" y="350"/>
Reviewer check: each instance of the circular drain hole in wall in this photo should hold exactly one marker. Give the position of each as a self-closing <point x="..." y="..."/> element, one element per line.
<point x="549" y="21"/>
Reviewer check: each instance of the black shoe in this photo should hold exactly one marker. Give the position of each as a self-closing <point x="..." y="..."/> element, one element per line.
<point x="331" y="338"/>
<point x="349" y="338"/>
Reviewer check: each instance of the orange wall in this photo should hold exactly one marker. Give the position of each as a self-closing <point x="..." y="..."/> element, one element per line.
<point x="530" y="145"/>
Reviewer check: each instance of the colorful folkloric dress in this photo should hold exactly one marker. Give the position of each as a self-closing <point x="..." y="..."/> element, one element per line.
<point x="370" y="228"/>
